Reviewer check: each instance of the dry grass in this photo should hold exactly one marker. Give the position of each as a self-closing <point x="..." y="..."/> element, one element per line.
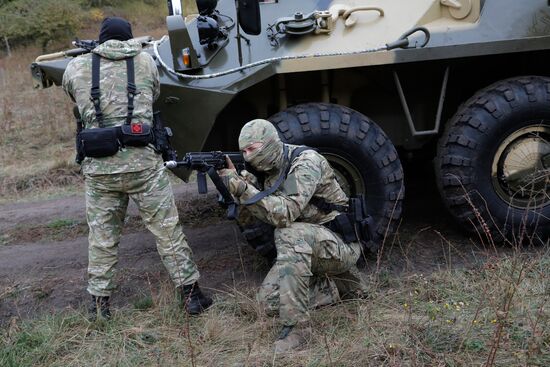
<point x="37" y="126"/>
<point x="485" y="308"/>
<point x="448" y="318"/>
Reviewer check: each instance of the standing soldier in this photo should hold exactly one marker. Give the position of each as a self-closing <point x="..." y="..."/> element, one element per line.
<point x="114" y="88"/>
<point x="315" y="266"/>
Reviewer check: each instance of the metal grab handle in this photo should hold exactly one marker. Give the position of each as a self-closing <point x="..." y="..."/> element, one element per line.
<point x="350" y="21"/>
<point x="348" y="12"/>
<point x="403" y="41"/>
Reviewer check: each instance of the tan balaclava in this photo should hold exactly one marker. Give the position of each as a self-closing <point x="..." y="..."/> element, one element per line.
<point x="270" y="155"/>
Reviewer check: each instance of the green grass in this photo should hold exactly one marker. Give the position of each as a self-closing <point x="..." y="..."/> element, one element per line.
<point x="62" y="223"/>
<point x="448" y="318"/>
<point x="144" y="303"/>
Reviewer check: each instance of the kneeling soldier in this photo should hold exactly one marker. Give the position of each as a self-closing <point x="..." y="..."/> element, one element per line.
<point x="314" y="266"/>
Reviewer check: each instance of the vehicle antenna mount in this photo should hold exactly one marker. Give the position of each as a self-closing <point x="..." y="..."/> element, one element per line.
<point x="239" y="35"/>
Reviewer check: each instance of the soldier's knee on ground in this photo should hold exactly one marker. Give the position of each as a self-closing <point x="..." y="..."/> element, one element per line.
<point x="322" y="292"/>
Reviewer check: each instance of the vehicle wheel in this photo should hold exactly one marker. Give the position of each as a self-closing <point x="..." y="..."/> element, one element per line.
<point x="364" y="159"/>
<point x="493" y="162"/>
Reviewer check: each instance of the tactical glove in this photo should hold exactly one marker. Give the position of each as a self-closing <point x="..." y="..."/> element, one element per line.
<point x="235" y="183"/>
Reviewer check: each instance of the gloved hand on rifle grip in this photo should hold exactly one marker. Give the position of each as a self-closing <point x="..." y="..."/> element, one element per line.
<point x="250" y="179"/>
<point x="235" y="183"/>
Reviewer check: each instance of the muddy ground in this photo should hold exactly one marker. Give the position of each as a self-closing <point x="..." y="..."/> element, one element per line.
<point x="43" y="250"/>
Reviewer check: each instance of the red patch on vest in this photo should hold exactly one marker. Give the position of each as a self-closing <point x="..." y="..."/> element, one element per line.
<point x="137" y="128"/>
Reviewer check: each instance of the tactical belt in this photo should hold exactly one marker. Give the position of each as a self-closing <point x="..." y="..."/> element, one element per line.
<point x="326" y="207"/>
<point x="106" y="141"/>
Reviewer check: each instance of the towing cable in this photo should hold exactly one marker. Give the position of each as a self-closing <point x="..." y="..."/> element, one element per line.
<point x="402" y="42"/>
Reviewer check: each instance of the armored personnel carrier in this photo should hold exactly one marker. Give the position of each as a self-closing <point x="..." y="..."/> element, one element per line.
<point x="463" y="82"/>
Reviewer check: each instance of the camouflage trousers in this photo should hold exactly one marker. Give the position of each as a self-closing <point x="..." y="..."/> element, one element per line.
<point x="314" y="267"/>
<point x="107" y="199"/>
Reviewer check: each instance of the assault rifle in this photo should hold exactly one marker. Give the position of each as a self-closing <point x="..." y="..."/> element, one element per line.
<point x="209" y="163"/>
<point x="83" y="47"/>
<point x="87" y="45"/>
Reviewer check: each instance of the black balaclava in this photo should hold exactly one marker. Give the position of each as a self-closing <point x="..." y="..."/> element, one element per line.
<point x="115" y="28"/>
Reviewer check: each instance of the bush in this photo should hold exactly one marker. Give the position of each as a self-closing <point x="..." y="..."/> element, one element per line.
<point x="5" y="2"/>
<point x="22" y="21"/>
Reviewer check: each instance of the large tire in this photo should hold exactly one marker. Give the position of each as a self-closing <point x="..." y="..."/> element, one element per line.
<point x="364" y="159"/>
<point x="493" y="163"/>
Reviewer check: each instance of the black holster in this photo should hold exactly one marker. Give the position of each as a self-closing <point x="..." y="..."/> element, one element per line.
<point x="363" y="222"/>
<point x="354" y="225"/>
<point x="78" y="144"/>
<point x="162" y="136"/>
<point x="342" y="225"/>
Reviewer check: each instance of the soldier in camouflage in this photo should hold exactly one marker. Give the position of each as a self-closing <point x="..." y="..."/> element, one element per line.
<point x="133" y="172"/>
<point x="314" y="267"/>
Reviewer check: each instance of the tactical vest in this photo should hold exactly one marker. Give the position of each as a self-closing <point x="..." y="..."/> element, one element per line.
<point x="106" y="141"/>
<point x="352" y="224"/>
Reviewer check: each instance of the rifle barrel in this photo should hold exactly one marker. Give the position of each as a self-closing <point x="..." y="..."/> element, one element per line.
<point x="203" y="160"/>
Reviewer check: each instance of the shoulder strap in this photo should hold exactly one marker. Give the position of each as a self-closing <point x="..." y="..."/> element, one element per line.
<point x="284" y="173"/>
<point x="95" y="93"/>
<point x="131" y="88"/>
<point x="295" y="154"/>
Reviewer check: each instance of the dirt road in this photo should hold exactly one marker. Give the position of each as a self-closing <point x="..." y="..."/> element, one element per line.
<point x="40" y="272"/>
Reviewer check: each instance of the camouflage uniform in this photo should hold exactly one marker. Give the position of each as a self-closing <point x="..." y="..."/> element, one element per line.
<point x="134" y="172"/>
<point x="314" y="266"/>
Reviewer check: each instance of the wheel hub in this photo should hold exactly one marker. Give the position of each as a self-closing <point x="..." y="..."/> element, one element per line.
<point x="521" y="171"/>
<point x="347" y="175"/>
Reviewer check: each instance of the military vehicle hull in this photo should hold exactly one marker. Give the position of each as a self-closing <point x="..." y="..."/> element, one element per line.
<point x="485" y="63"/>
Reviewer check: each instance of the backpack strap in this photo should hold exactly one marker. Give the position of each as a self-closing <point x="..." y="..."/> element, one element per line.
<point x="295" y="154"/>
<point x="131" y="88"/>
<point x="96" y="93"/>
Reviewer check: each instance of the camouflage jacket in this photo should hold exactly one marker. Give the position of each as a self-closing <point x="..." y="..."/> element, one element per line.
<point x="310" y="175"/>
<point x="77" y="81"/>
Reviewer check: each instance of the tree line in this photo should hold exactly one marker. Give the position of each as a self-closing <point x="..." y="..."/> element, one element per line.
<point x="30" y="21"/>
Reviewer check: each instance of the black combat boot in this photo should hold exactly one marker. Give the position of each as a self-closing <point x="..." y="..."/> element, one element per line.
<point x="103" y="304"/>
<point x="193" y="300"/>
